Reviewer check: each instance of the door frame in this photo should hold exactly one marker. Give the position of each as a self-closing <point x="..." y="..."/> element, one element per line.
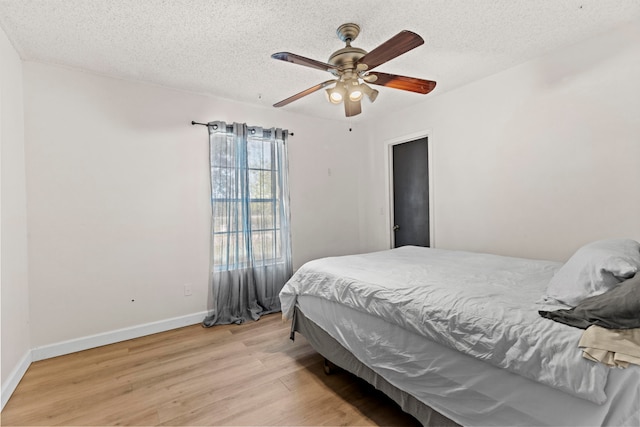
<point x="389" y="178"/>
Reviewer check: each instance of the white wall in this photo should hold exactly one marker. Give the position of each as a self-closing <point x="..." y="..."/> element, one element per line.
<point x="14" y="269"/>
<point x="530" y="162"/>
<point x="118" y="198"/>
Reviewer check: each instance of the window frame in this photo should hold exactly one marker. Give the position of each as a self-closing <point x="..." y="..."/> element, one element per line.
<point x="277" y="255"/>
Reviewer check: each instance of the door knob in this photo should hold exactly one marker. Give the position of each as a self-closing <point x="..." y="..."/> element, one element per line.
<point x="396" y="227"/>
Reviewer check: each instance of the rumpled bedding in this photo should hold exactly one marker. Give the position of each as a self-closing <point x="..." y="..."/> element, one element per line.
<point x="618" y="308"/>
<point x="480" y="304"/>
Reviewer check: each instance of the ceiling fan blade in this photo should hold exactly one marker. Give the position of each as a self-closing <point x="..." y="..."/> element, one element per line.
<point x="352" y="108"/>
<point x="304" y="93"/>
<point x="411" y="84"/>
<point x="301" y="60"/>
<point x="401" y="43"/>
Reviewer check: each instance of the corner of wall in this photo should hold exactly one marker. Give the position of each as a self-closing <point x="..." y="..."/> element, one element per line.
<point x="13" y="379"/>
<point x="14" y="287"/>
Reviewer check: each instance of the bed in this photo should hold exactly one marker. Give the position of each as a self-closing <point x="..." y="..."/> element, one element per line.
<point x="456" y="338"/>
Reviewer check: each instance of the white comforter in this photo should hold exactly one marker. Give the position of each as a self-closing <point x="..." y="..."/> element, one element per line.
<point x="483" y="305"/>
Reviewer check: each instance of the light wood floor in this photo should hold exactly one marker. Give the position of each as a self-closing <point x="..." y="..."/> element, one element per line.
<point x="249" y="374"/>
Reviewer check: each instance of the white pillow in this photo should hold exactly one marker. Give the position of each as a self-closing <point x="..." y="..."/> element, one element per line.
<point x="594" y="269"/>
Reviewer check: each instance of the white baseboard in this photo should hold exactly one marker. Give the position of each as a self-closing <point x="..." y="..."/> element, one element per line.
<point x="92" y="341"/>
<point x="16" y="375"/>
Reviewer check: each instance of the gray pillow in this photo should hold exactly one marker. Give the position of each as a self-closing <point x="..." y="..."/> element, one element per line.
<point x="594" y="269"/>
<point x="618" y="308"/>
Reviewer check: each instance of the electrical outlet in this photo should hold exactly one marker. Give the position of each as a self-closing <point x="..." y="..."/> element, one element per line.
<point x="187" y="290"/>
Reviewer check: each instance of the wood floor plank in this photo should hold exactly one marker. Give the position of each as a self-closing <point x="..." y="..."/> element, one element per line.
<point x="230" y="408"/>
<point x="249" y="374"/>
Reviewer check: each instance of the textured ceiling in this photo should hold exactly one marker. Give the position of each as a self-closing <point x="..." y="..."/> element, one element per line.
<point x="223" y="48"/>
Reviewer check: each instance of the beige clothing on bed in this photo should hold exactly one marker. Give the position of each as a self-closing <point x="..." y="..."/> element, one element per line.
<point x="613" y="347"/>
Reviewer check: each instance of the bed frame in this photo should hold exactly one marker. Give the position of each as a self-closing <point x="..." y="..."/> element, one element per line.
<point x="335" y="353"/>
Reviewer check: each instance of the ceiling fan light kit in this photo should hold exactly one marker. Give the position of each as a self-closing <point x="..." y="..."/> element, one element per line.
<point x="351" y="64"/>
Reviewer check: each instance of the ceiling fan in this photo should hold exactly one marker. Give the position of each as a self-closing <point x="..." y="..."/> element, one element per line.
<point x="351" y="64"/>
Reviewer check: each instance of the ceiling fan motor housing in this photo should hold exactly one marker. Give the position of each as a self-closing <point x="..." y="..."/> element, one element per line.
<point x="345" y="59"/>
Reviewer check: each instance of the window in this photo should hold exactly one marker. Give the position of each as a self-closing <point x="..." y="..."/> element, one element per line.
<point x="247" y="201"/>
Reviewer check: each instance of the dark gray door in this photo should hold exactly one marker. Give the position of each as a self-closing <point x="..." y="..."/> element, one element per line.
<point x="411" y="193"/>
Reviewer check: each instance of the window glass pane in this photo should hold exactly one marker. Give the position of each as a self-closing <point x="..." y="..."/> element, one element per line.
<point x="254" y="154"/>
<point x="222" y="153"/>
<point x="263" y="249"/>
<point x="229" y="250"/>
<point x="266" y="155"/>
<point x="227" y="216"/>
<point x="220" y="216"/>
<point x="267" y="190"/>
<point x="262" y="215"/>
<point x="259" y="154"/>
<point x="239" y="249"/>
<point x="238" y="216"/>
<point x="255" y="185"/>
<point x="218" y="183"/>
<point x="260" y="184"/>
<point x="258" y="249"/>
<point x="223" y="185"/>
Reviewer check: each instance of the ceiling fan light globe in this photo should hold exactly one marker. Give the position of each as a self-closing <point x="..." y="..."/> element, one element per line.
<point x="354" y="90"/>
<point x="336" y="94"/>
<point x="355" y="95"/>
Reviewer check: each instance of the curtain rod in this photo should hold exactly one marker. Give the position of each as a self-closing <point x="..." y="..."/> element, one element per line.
<point x="205" y="124"/>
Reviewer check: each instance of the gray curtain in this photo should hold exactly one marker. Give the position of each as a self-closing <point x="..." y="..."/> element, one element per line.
<point x="250" y="233"/>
